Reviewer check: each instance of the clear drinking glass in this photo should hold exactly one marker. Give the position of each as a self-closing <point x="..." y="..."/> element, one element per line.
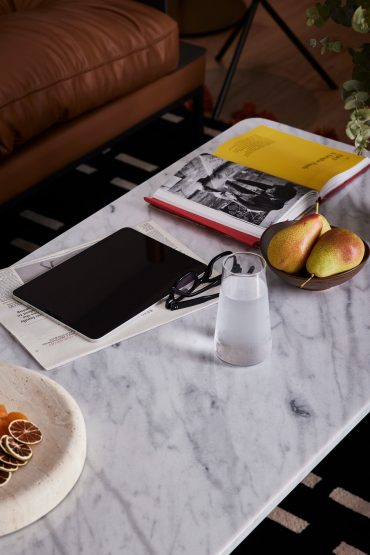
<point x="243" y="331"/>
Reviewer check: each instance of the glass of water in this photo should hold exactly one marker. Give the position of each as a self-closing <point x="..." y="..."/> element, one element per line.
<point x="243" y="331"/>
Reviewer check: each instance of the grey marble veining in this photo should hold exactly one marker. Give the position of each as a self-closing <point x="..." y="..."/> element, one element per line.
<point x="186" y="454"/>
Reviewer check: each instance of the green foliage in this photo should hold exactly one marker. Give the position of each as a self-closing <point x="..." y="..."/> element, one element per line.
<point x="361" y="20"/>
<point x="338" y="11"/>
<point x="327" y="45"/>
<point x="355" y="92"/>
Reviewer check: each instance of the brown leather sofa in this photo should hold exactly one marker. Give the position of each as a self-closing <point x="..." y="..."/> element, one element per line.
<point x="77" y="73"/>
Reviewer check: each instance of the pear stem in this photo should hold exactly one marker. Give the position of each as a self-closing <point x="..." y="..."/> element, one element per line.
<point x="317" y="207"/>
<point x="307" y="280"/>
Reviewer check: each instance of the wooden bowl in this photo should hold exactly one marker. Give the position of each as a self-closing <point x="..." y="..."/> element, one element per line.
<point x="315" y="284"/>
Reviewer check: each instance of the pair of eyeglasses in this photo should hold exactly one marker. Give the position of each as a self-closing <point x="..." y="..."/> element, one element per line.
<point x="188" y="286"/>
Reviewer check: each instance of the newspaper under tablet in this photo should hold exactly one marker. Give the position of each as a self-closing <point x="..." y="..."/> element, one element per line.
<point x="109" y="283"/>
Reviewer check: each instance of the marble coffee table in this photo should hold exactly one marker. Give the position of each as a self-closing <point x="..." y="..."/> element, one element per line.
<point x="187" y="455"/>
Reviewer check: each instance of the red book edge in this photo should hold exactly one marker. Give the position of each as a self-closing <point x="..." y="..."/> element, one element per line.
<point x="226" y="230"/>
<point x="239" y="235"/>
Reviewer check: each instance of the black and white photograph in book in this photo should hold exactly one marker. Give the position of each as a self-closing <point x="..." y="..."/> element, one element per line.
<point x="245" y="193"/>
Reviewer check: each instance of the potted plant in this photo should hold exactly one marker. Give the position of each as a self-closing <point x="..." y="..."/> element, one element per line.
<point x="355" y="92"/>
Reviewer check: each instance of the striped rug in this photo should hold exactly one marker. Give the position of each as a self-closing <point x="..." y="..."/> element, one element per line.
<point x="328" y="512"/>
<point x="50" y="209"/>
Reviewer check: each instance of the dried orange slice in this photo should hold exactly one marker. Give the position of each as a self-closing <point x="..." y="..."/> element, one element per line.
<point x="2" y="444"/>
<point x="8" y="459"/>
<point x="3" y="411"/>
<point x="5" y="457"/>
<point x="4" y="477"/>
<point x="7" y="418"/>
<point x="19" y="451"/>
<point x="8" y="467"/>
<point x="25" y="432"/>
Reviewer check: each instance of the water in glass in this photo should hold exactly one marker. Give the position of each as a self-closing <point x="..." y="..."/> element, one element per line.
<point x="243" y="333"/>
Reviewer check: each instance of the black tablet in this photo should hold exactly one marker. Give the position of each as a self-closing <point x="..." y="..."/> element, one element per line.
<point x="104" y="286"/>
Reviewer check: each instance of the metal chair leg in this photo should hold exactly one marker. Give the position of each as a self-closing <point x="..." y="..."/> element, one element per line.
<point x="275" y="16"/>
<point x="198" y="117"/>
<point x="247" y="22"/>
<point x="243" y="28"/>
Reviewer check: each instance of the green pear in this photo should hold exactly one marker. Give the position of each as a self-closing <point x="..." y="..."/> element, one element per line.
<point x="336" y="251"/>
<point x="325" y="225"/>
<point x="289" y="248"/>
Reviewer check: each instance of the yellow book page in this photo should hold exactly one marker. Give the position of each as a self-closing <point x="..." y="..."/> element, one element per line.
<point x="287" y="156"/>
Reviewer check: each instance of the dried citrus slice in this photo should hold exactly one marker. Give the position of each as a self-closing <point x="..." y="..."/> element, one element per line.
<point x="14" y="462"/>
<point x="4" y="477"/>
<point x="2" y="444"/>
<point x="19" y="451"/>
<point x="8" y="418"/>
<point x="3" y="411"/>
<point x="5" y="457"/>
<point x="25" y="432"/>
<point x="8" y="459"/>
<point x="8" y="467"/>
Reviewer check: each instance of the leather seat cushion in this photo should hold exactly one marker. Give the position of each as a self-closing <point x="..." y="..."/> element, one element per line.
<point x="65" y="57"/>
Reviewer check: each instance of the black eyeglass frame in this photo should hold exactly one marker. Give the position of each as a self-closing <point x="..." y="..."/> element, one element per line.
<point x="173" y="303"/>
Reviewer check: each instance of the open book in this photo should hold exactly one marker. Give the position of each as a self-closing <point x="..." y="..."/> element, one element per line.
<point x="257" y="179"/>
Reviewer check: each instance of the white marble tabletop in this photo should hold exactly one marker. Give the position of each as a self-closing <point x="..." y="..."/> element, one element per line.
<point x="187" y="455"/>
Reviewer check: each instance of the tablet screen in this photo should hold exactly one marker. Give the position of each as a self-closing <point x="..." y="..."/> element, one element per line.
<point x="107" y="284"/>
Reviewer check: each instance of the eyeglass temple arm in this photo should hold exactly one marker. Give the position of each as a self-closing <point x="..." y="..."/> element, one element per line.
<point x="209" y="269"/>
<point x="175" y="305"/>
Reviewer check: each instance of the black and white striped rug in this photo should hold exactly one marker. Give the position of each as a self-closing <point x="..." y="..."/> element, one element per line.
<point x="329" y="512"/>
<point x="52" y="208"/>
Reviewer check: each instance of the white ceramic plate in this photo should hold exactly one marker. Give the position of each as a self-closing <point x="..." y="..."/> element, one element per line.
<point x="57" y="462"/>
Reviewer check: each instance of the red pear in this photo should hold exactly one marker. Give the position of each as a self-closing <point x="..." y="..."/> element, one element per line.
<point x="290" y="247"/>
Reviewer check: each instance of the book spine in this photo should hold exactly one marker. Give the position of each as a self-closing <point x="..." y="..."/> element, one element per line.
<point x="226" y="230"/>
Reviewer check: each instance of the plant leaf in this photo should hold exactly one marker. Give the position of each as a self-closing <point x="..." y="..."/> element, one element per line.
<point x="361" y="20"/>
<point x="352" y="85"/>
